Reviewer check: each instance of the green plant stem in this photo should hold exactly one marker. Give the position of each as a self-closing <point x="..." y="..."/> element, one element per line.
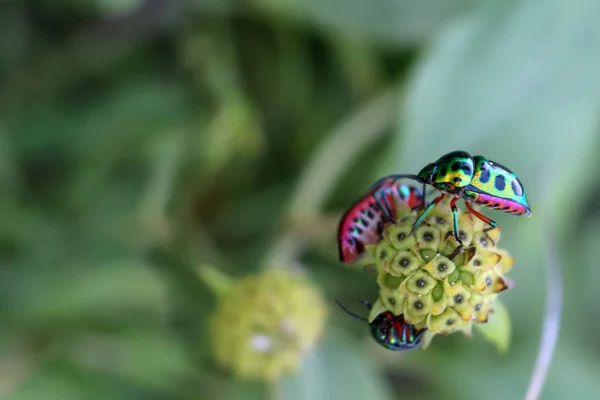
<point x="552" y="317"/>
<point x="167" y="160"/>
<point x="217" y="281"/>
<point x="341" y="146"/>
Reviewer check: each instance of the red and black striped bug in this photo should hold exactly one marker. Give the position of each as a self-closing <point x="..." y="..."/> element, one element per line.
<point x="363" y="223"/>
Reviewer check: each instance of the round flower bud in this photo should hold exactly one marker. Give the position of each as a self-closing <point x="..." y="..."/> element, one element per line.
<point x="264" y="323"/>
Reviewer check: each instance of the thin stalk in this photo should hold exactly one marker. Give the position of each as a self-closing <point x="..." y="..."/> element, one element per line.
<point x="552" y="318"/>
<point x="216" y="280"/>
<point x="341" y="146"/>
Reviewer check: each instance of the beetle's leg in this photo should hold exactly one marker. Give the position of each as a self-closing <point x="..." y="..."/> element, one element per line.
<point x="470" y="252"/>
<point x="419" y="335"/>
<point x="389" y="212"/>
<point x="486" y="230"/>
<point x="424" y="201"/>
<point x="423" y="204"/>
<point x="455" y="218"/>
<point x="491" y="223"/>
<point x="426" y="212"/>
<point x="458" y="250"/>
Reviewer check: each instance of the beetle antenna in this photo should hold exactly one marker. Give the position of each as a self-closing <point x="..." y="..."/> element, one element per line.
<point x="351" y="313"/>
<point x="396" y="177"/>
<point x="366" y="303"/>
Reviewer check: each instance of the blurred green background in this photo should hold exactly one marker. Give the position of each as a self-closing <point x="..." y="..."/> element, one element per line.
<point x="140" y="139"/>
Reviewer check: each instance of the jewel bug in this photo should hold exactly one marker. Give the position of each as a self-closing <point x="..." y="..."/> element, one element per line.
<point x="475" y="180"/>
<point x="363" y="223"/>
<point x="390" y="331"/>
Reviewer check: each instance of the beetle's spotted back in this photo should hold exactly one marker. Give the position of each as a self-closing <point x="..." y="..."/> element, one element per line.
<point x="496" y="180"/>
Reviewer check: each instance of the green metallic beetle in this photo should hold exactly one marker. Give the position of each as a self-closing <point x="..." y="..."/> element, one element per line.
<point x="475" y="180"/>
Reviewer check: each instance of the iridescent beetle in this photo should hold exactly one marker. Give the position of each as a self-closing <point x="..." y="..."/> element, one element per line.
<point x="363" y="223"/>
<point x="475" y="180"/>
<point x="390" y="331"/>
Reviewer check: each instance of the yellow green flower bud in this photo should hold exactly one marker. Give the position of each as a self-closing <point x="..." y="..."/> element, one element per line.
<point x="265" y="322"/>
<point x="434" y="286"/>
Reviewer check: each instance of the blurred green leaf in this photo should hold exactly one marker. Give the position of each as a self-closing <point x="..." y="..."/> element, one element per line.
<point x="15" y="37"/>
<point x="148" y="358"/>
<point x="7" y="159"/>
<point x="497" y="329"/>
<point x="98" y="291"/>
<point x="129" y="365"/>
<point x="427" y="339"/>
<point x="516" y="81"/>
<point x="57" y="381"/>
<point x="397" y="22"/>
<point x="247" y="212"/>
<point x="583" y="262"/>
<point x="573" y="373"/>
<point x="241" y="390"/>
<point x="336" y="370"/>
<point x="117" y="7"/>
<point x="234" y="133"/>
<point x="499" y="377"/>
